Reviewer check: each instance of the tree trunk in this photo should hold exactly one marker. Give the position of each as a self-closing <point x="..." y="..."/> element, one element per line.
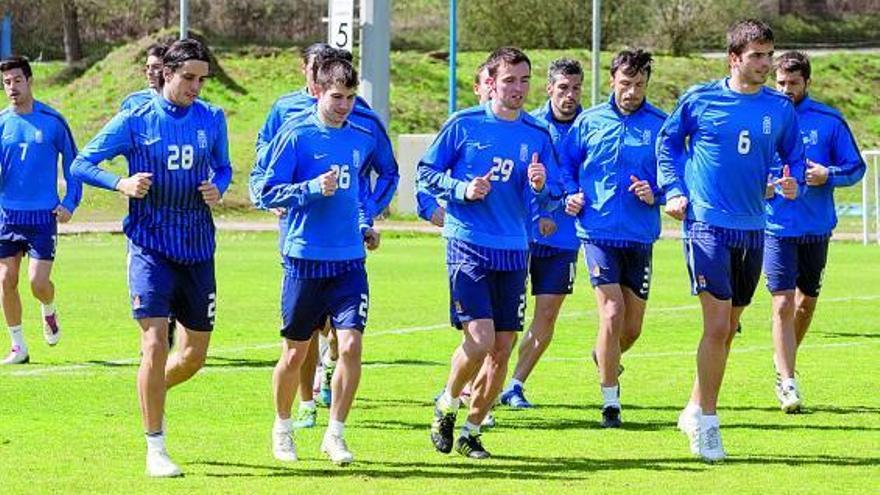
<point x="166" y="13"/>
<point x="72" y="46"/>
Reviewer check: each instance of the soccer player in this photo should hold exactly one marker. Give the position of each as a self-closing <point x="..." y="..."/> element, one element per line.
<point x="494" y="154"/>
<point x="610" y="166"/>
<point x="554" y="244"/>
<point x="714" y="154"/>
<point x="797" y="235"/>
<point x="319" y="170"/>
<point x="153" y="71"/>
<point x="178" y="161"/>
<point x="34" y="135"/>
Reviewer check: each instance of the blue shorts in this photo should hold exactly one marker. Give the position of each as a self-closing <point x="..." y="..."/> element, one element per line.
<point x="160" y="288"/>
<point x="628" y="266"/>
<point x="727" y="273"/>
<point x="306" y="303"/>
<point x="38" y="241"/>
<point x="789" y="264"/>
<point x="480" y="293"/>
<point x="553" y="274"/>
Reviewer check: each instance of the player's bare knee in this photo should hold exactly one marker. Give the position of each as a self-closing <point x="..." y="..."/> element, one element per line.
<point x="350" y="350"/>
<point x="41" y="287"/>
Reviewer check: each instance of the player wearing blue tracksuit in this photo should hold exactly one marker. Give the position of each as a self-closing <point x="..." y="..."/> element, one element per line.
<point x="32" y="138"/>
<point x="798" y="232"/>
<point x="137" y="99"/>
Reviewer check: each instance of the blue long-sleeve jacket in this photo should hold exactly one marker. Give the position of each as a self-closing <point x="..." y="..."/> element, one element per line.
<point x="717" y="148"/>
<point x="602" y="151"/>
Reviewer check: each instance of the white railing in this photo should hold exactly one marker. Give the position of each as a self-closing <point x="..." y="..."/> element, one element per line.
<point x="872" y="160"/>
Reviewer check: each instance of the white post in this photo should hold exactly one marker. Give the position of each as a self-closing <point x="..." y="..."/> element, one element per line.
<point x="597" y="47"/>
<point x="375" y="67"/>
<point x="184" y="19"/>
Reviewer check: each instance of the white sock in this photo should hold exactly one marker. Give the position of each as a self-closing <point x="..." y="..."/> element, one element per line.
<point x="611" y="396"/>
<point x="469" y="429"/>
<point x="17" y="336"/>
<point x="788" y="383"/>
<point x="693" y="410"/>
<point x="155" y="442"/>
<point x="336" y="428"/>
<point x="446" y="401"/>
<point x="47" y="309"/>
<point x="283" y="424"/>
<point x="307" y="404"/>
<point x="708" y="421"/>
<point x="513" y="383"/>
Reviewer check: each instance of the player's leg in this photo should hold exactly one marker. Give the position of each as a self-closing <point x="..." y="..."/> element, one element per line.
<point x="42" y="255"/>
<point x="190" y="355"/>
<point x="151" y="394"/>
<point x="329" y="357"/>
<point x="636" y="283"/>
<point x="194" y="304"/>
<point x="307" y="414"/>
<point x="781" y="267"/>
<point x="812" y="258"/>
<point x="633" y="320"/>
<point x="11" y="302"/>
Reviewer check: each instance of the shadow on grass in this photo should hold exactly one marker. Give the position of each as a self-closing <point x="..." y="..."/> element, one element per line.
<point x="840" y="335"/>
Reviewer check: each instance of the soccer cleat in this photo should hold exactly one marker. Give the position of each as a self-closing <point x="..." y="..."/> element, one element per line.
<point x="441" y="430"/>
<point x="515" y="397"/>
<point x="709" y="441"/>
<point x="326" y="380"/>
<point x="307" y="417"/>
<point x="283" y="446"/>
<point x="689" y="424"/>
<point x="488" y="421"/>
<point x="335" y="448"/>
<point x="611" y="417"/>
<point x="51" y="329"/>
<point x="470" y="446"/>
<point x="18" y="355"/>
<point x="160" y="465"/>
<point x="789" y="399"/>
<point x="620" y="367"/>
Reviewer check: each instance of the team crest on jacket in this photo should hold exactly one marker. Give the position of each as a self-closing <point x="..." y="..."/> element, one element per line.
<point x="646" y="137"/>
<point x="523" y="152"/>
<point x="355" y="159"/>
<point x="202" y="138"/>
<point x="766" y="124"/>
<point x="814" y="137"/>
<point x="38" y="136"/>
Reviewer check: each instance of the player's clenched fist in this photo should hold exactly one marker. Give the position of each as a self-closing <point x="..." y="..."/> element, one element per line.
<point x="329" y="182"/>
<point x="787" y="183"/>
<point x="135" y="186"/>
<point x="574" y="203"/>
<point x="642" y="190"/>
<point x="677" y="207"/>
<point x="479" y="187"/>
<point x="537" y="174"/>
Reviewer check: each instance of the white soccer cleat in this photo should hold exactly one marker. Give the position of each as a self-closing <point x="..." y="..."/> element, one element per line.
<point x="283" y="446"/>
<point x="335" y="448"/>
<point x="51" y="329"/>
<point x="160" y="465"/>
<point x="709" y="441"/>
<point x="17" y="355"/>
<point x="689" y="424"/>
<point x="789" y="398"/>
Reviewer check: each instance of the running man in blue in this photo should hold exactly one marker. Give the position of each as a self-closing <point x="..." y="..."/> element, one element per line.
<point x="554" y="244"/>
<point x="32" y="138"/>
<point x="798" y="232"/>
<point x="714" y="154"/>
<point x="495" y="155"/>
<point x="610" y="168"/>
<point x="178" y="158"/>
<point x="153" y="70"/>
<point x="319" y="171"/>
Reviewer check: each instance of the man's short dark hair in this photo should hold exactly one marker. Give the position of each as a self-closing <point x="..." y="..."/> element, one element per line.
<point x="184" y="50"/>
<point x="157" y="50"/>
<point x="794" y="61"/>
<point x="17" y="63"/>
<point x="741" y="33"/>
<point x="313" y="50"/>
<point x="632" y="62"/>
<point x="564" y="67"/>
<point x="323" y="56"/>
<point x="480" y="69"/>
<point x="506" y="55"/>
<point x="336" y="72"/>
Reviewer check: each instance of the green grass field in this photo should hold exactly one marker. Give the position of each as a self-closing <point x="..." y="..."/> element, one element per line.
<point x="69" y="422"/>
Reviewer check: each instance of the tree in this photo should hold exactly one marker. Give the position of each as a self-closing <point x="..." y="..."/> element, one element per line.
<point x="72" y="45"/>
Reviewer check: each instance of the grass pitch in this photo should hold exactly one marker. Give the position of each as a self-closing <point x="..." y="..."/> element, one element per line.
<point x="69" y="422"/>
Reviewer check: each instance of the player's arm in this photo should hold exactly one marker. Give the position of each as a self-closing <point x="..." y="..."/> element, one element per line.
<point x="212" y="190"/>
<point x="428" y="207"/>
<point x="849" y="165"/>
<point x="67" y="146"/>
<point x="113" y="140"/>
<point x="790" y="148"/>
<point x="431" y="176"/>
<point x="671" y="157"/>
<point x="279" y="190"/>
<point x="385" y="166"/>
<point x="270" y="128"/>
<point x="572" y="154"/>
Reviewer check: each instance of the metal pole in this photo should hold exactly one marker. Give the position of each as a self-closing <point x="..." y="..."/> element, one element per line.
<point x="6" y="36"/>
<point x="876" y="200"/>
<point x="453" y="52"/>
<point x="865" y="208"/>
<point x="376" y="55"/>
<point x="597" y="47"/>
<point x="184" y="19"/>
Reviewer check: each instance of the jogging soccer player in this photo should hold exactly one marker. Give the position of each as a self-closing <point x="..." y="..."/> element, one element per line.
<point x="289" y="109"/>
<point x="554" y="244"/>
<point x="714" y="154"/>
<point x="319" y="170"/>
<point x="798" y="232"/>
<point x="34" y="135"/>
<point x="609" y="164"/>
<point x="153" y="70"/>
<point x="178" y="158"/>
<point x="494" y="154"/>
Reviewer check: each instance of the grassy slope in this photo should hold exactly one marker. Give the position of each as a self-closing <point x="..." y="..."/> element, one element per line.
<point x="69" y="423"/>
<point x="418" y="95"/>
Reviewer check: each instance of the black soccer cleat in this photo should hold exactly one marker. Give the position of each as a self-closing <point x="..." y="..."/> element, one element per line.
<point x="611" y="417"/>
<point x="470" y="446"/>
<point x="441" y="430"/>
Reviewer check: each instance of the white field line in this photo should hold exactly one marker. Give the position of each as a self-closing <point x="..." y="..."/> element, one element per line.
<point x="424" y="328"/>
